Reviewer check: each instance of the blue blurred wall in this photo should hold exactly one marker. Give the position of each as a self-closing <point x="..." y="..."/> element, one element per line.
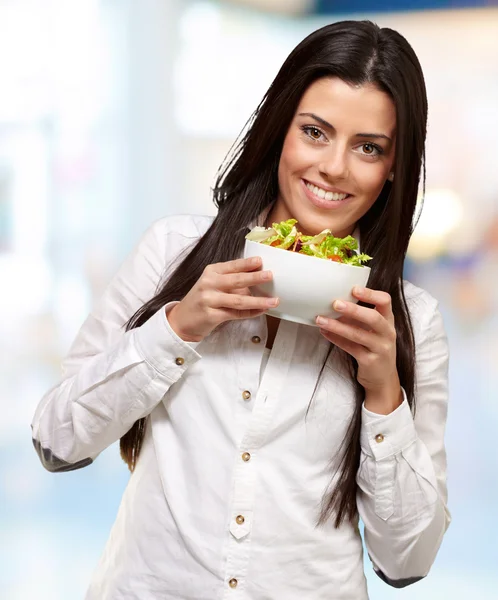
<point x="327" y="7"/>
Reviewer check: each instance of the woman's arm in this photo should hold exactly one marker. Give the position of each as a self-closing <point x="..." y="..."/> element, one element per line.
<point x="402" y="476"/>
<point x="112" y="378"/>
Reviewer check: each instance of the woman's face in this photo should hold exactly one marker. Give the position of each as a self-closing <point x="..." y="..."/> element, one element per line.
<point x="341" y="140"/>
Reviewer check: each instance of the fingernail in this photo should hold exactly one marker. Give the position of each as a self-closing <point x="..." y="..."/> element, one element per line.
<point x="339" y="305"/>
<point x="255" y="260"/>
<point x="321" y="321"/>
<point x="272" y="301"/>
<point x="358" y="290"/>
<point x="266" y="275"/>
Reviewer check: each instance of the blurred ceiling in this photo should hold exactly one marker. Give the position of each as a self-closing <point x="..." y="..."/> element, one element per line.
<point x="284" y="7"/>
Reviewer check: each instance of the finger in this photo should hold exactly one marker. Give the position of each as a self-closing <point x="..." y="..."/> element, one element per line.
<point x="354" y="323"/>
<point x="236" y="281"/>
<point x="230" y="314"/>
<point x="238" y="265"/>
<point x="350" y="347"/>
<point x="371" y="317"/>
<point x="381" y="301"/>
<point x="243" y="303"/>
<point x="241" y="291"/>
<point x="369" y="340"/>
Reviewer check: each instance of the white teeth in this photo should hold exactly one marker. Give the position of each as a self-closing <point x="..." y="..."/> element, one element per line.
<point x="321" y="193"/>
<point x="339" y="196"/>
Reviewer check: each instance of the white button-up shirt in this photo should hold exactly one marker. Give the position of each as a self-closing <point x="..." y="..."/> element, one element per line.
<point x="225" y="497"/>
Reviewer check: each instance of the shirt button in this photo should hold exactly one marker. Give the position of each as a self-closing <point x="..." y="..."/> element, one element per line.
<point x="255" y="339"/>
<point x="246" y="395"/>
<point x="179" y="361"/>
<point x="240" y="519"/>
<point x="233" y="583"/>
<point x="379" y="438"/>
<point x="246" y="457"/>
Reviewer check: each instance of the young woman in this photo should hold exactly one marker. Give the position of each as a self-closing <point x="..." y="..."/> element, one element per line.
<point x="255" y="445"/>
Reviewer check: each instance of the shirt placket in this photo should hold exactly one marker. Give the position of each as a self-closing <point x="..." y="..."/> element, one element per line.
<point x="259" y="423"/>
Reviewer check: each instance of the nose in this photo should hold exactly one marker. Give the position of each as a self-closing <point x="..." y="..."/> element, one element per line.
<point x="334" y="164"/>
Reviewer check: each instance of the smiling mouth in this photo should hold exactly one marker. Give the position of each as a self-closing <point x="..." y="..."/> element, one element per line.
<point x="324" y="194"/>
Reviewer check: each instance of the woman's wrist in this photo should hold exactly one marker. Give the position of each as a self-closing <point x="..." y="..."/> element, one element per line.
<point x="385" y="400"/>
<point x="171" y="314"/>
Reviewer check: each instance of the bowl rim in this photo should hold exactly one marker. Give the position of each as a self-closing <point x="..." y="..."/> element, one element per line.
<point x="322" y="260"/>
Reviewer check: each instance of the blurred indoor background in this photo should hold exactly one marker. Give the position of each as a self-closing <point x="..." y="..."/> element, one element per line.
<point x="114" y="113"/>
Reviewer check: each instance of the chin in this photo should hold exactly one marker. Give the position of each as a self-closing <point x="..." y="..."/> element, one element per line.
<point x="314" y="225"/>
<point x="312" y="228"/>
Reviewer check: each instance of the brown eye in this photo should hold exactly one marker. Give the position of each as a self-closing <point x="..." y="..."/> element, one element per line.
<point x="369" y="149"/>
<point x="314" y="133"/>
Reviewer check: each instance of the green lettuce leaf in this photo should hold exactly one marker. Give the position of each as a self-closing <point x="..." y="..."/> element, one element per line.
<point x="284" y="228"/>
<point x="357" y="260"/>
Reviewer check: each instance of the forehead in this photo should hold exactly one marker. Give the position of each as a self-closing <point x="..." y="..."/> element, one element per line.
<point x="350" y="108"/>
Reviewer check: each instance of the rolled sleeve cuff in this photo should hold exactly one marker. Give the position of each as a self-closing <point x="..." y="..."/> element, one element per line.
<point x="165" y="351"/>
<point x="369" y="417"/>
<point x="383" y="436"/>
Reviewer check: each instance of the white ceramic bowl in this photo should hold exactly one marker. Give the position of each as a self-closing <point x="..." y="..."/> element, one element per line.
<point x="306" y="285"/>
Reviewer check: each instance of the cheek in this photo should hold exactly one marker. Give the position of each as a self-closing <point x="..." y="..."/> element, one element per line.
<point x="371" y="180"/>
<point x="294" y="157"/>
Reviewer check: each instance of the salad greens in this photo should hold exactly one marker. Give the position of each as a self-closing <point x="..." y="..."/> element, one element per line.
<point x="285" y="235"/>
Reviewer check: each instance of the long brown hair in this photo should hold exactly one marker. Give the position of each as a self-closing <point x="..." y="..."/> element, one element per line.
<point x="359" y="52"/>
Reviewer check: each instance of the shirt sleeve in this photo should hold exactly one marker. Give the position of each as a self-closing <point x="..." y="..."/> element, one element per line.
<point x="112" y="377"/>
<point x="402" y="493"/>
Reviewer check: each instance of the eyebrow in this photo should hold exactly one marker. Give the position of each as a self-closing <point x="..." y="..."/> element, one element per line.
<point x="329" y="126"/>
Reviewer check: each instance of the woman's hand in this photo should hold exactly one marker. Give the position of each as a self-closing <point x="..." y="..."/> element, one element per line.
<point x="369" y="335"/>
<point x="221" y="294"/>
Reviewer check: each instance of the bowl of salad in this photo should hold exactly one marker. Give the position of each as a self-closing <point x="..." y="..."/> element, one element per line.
<point x="309" y="272"/>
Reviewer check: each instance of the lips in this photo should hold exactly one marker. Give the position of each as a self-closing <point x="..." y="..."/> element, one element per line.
<point x="323" y="203"/>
